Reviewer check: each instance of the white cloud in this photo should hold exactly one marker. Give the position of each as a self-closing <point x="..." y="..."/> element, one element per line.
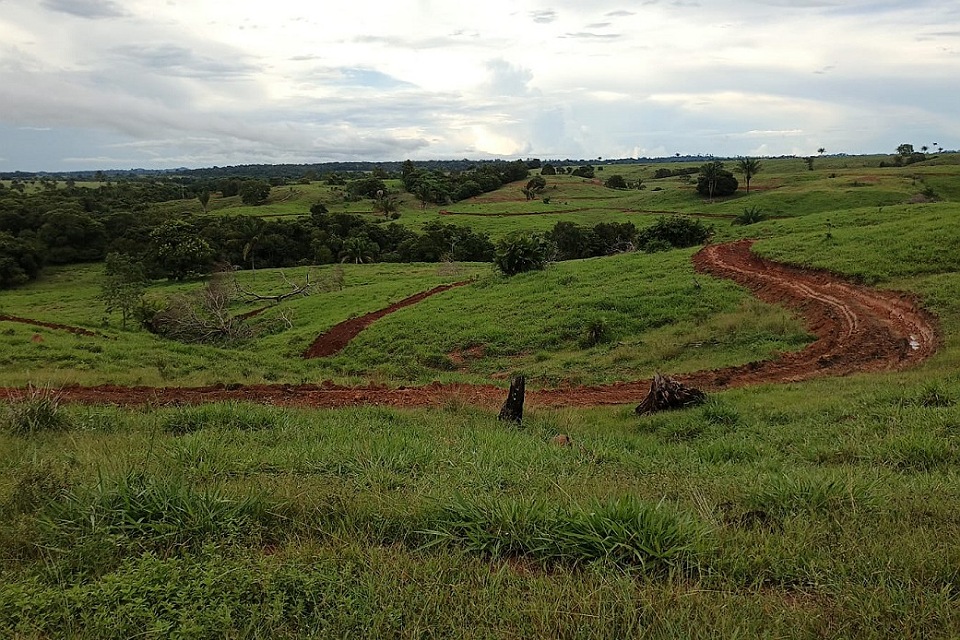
<point x="147" y="83"/>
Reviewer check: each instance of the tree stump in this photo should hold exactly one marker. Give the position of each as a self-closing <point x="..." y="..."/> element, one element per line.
<point x="512" y="409"/>
<point x="666" y="393"/>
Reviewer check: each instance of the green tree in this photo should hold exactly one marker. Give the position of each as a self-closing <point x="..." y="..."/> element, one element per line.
<point x="714" y="180"/>
<point x="749" y="167"/>
<point x="386" y="203"/>
<point x="534" y="187"/>
<point x="615" y="181"/>
<point x="905" y="150"/>
<point x="548" y="170"/>
<point x="178" y="252"/>
<point x="254" y="192"/>
<point x="358" y="249"/>
<point x="204" y="198"/>
<point x="122" y="286"/>
<point x="20" y="260"/>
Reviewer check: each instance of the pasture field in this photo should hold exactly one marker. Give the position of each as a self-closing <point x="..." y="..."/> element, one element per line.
<point x="825" y="508"/>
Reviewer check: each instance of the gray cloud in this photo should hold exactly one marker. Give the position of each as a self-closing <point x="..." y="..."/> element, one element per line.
<point x="587" y="35"/>
<point x="507" y="79"/>
<point x="92" y="9"/>
<point x="180" y="61"/>
<point x="545" y="16"/>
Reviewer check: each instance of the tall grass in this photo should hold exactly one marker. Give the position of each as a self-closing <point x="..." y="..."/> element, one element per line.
<point x="627" y="533"/>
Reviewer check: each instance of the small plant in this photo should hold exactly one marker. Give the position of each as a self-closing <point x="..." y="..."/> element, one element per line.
<point x="595" y="332"/>
<point x="751" y="215"/>
<point x="35" y="410"/>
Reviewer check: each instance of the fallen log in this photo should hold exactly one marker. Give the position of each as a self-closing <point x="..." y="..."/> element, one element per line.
<point x="666" y="393"/>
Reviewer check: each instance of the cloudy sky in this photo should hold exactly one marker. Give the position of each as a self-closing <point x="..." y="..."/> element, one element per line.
<point x="89" y="84"/>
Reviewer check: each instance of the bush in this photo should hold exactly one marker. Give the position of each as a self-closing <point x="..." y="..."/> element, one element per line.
<point x="674" y="231"/>
<point x="521" y="252"/>
<point x="725" y="184"/>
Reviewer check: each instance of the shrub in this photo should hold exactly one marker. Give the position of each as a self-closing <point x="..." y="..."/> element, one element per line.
<point x="521" y="252"/>
<point x="673" y="231"/>
<point x="752" y="215"/>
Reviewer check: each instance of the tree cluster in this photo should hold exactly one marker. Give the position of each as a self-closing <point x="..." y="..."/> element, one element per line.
<point x="439" y="187"/>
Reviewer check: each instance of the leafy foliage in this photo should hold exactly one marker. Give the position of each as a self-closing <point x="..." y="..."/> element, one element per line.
<point x="20" y="260"/>
<point x="750" y="215"/>
<point x="673" y="232"/>
<point x="521" y="252"/>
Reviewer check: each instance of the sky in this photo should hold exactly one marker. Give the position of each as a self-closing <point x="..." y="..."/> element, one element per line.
<point x="106" y="84"/>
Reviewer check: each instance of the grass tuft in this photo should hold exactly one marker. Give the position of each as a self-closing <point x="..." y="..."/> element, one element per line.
<point x="628" y="533"/>
<point x="35" y="410"/>
<point x="155" y="513"/>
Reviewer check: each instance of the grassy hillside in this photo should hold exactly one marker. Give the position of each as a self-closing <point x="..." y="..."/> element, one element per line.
<point x="826" y="508"/>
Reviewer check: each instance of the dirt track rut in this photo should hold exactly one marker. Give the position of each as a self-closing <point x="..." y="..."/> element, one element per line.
<point x="858" y="329"/>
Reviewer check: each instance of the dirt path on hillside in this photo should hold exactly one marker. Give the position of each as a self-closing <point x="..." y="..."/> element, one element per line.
<point x="50" y="325"/>
<point x="334" y="339"/>
<point x="857" y="328"/>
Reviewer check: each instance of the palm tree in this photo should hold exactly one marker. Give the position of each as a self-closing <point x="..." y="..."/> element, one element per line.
<point x="358" y="249"/>
<point x="711" y="173"/>
<point x="821" y="150"/>
<point x="749" y="167"/>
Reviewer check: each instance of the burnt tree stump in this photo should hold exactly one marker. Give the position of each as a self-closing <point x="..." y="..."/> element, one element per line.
<point x="666" y="393"/>
<point x="512" y="409"/>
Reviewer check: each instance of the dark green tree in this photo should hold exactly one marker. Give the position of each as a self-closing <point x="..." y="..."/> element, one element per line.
<point x="20" y="260"/>
<point x="714" y="180"/>
<point x="254" y="192"/>
<point x="122" y="286"/>
<point x="615" y="181"/>
<point x="178" y="252"/>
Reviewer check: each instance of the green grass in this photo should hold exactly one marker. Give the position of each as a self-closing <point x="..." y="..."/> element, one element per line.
<point x="826" y="508"/>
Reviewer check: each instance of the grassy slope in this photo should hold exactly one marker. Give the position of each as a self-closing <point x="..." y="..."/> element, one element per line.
<point x="821" y="509"/>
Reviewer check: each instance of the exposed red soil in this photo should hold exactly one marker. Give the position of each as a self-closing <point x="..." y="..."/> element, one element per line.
<point x="50" y="325"/>
<point x="857" y="328"/>
<point x="646" y="212"/>
<point x="339" y="335"/>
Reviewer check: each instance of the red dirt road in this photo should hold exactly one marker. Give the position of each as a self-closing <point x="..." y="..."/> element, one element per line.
<point x="857" y="328"/>
<point x="339" y="335"/>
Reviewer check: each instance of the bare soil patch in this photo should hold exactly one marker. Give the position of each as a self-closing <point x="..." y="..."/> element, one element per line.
<point x="50" y="325"/>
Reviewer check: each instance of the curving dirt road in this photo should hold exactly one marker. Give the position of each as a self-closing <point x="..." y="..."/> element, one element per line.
<point x="858" y="329"/>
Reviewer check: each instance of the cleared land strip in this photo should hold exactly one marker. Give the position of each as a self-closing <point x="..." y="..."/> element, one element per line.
<point x="857" y="328"/>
